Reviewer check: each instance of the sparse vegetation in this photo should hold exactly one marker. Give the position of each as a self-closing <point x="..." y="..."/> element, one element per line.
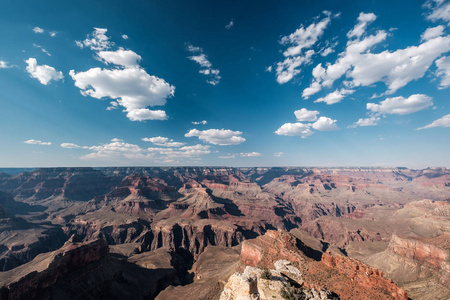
<point x="266" y="274"/>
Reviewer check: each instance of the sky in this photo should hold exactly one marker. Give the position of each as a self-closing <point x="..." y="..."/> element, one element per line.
<point x="225" y="83"/>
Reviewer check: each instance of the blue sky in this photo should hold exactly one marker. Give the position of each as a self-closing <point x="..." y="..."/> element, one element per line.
<point x="225" y="83"/>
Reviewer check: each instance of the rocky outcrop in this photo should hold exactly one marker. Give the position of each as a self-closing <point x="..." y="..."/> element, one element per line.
<point x="348" y="278"/>
<point x="85" y="270"/>
<point x="424" y="254"/>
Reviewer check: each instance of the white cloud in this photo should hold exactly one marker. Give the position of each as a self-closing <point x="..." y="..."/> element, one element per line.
<point x="163" y="141"/>
<point x="228" y="156"/>
<point x="53" y="33"/>
<point x="432" y="32"/>
<point x="220" y="137"/>
<point x="125" y="37"/>
<point x="97" y="41"/>
<point x="206" y="66"/>
<point x="442" y="122"/>
<point x="229" y="25"/>
<point x="439" y="10"/>
<point x="278" y="154"/>
<point x="269" y="69"/>
<point x="133" y="88"/>
<point x="43" y="73"/>
<point x="303" y="38"/>
<point x="443" y="71"/>
<point x="204" y="122"/>
<point x="142" y="114"/>
<point x="325" y="124"/>
<point x="295" y="129"/>
<point x="250" y="154"/>
<point x="360" y="27"/>
<point x="119" y="151"/>
<point x="4" y="65"/>
<point x="42" y="49"/>
<point x="37" y="142"/>
<point x="306" y="115"/>
<point x="364" y="68"/>
<point x="72" y="146"/>
<point x="371" y="121"/>
<point x="400" y="105"/>
<point x="38" y="30"/>
<point x="335" y="97"/>
<point x="121" y="57"/>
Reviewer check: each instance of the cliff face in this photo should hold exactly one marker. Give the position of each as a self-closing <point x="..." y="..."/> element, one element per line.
<point x="348" y="278"/>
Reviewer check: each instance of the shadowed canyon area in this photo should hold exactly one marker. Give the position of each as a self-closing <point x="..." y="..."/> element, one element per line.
<point x="224" y="233"/>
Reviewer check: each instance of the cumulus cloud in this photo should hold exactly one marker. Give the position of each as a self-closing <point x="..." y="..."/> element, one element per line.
<point x="250" y="154"/>
<point x="400" y="105"/>
<point x="371" y="121"/>
<point x="364" y="68"/>
<point x="43" y="73"/>
<point x="229" y="25"/>
<point x="361" y="25"/>
<point x="132" y="88"/>
<point x="163" y="141"/>
<point x="97" y="40"/>
<point x="222" y="137"/>
<point x="53" y="33"/>
<point x="121" y="57"/>
<point x="119" y="151"/>
<point x="439" y="10"/>
<point x="335" y="97"/>
<point x="325" y="124"/>
<point x="38" y="30"/>
<point x="432" y="32"/>
<point x="42" y="49"/>
<point x="442" y="122"/>
<point x="204" y="122"/>
<point x="125" y="37"/>
<point x="295" y="129"/>
<point x="278" y="154"/>
<point x="37" y="142"/>
<point x="303" y="115"/>
<point x="296" y="53"/>
<point x="443" y="71"/>
<point x="206" y="66"/>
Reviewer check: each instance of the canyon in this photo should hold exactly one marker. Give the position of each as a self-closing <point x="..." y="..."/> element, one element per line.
<point x="154" y="232"/>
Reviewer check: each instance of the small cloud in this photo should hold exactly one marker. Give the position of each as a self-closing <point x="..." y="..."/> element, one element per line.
<point x="278" y="154"/>
<point x="229" y="25"/>
<point x="269" y="69"/>
<point x="204" y="122"/>
<point x="250" y="154"/>
<point x="325" y="124"/>
<point x="206" y="66"/>
<point x="303" y="115"/>
<point x="53" y="33"/>
<point x="43" y="73"/>
<point x="42" y="49"/>
<point x="38" y="30"/>
<point x="295" y="129"/>
<point x="37" y="142"/>
<point x="163" y="141"/>
<point x="442" y="122"/>
<point x="372" y="121"/>
<point x="4" y="65"/>
<point x="125" y="37"/>
<point x="221" y="137"/>
<point x="97" y="41"/>
<point x="400" y="105"/>
<point x="228" y="156"/>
